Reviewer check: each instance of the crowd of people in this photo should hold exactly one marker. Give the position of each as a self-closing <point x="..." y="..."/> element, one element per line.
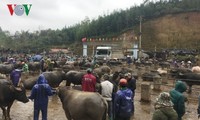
<point x="120" y="102"/>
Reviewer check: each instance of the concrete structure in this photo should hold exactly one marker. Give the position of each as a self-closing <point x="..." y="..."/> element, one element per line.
<point x="157" y="82"/>
<point x="145" y="92"/>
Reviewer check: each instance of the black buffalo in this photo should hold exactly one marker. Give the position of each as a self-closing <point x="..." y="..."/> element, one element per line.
<point x="54" y="79"/>
<point x="8" y="93"/>
<point x="6" y="68"/>
<point x="34" y="66"/>
<point x="75" y="77"/>
<point x="30" y="82"/>
<point x="164" y="64"/>
<point x="67" y="68"/>
<point x="190" y="79"/>
<point x="150" y="76"/>
<point x="176" y="71"/>
<point x="91" y="105"/>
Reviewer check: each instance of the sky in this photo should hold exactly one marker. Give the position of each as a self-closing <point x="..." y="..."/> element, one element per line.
<point x="55" y="14"/>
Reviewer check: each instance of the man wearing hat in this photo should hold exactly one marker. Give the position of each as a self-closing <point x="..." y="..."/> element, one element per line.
<point x="164" y="108"/>
<point x="123" y="103"/>
<point x="89" y="81"/>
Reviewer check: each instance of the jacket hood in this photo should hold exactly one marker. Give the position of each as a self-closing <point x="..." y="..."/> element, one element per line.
<point x="41" y="80"/>
<point x="180" y="86"/>
<point x="163" y="100"/>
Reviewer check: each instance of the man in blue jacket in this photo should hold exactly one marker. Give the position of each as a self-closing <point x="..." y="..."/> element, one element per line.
<point x="39" y="94"/>
<point x="178" y="98"/>
<point x="15" y="77"/>
<point x="123" y="103"/>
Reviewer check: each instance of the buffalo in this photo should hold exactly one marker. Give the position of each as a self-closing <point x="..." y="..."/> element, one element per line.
<point x="176" y="71"/>
<point x="114" y="62"/>
<point x="67" y="68"/>
<point x="30" y="82"/>
<point x="102" y="70"/>
<point x="8" y="94"/>
<point x="74" y="77"/>
<point x="54" y="78"/>
<point x="180" y="70"/>
<point x="190" y="79"/>
<point x="6" y="68"/>
<point x="164" y="64"/>
<point x="91" y="105"/>
<point x="150" y="76"/>
<point x="34" y="66"/>
<point x="125" y="70"/>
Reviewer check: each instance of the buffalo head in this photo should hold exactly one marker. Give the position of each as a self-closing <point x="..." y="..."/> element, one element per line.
<point x="20" y="94"/>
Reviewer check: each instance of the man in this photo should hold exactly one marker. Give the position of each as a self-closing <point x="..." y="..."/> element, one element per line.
<point x="129" y="60"/>
<point x="43" y="65"/>
<point x="178" y="98"/>
<point x="89" y="81"/>
<point x="15" y="77"/>
<point x="25" y="67"/>
<point x="123" y="102"/>
<point x="107" y="91"/>
<point x="39" y="94"/>
<point x="131" y="84"/>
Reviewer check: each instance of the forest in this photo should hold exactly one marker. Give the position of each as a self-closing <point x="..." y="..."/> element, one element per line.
<point x="107" y="25"/>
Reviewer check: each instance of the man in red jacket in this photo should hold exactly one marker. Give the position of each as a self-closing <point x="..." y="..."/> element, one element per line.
<point x="89" y="81"/>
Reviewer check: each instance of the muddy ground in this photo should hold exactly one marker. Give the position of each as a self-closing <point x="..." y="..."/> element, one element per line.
<point x="143" y="111"/>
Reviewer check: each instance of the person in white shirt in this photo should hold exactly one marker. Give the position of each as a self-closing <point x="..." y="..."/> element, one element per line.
<point x="107" y="90"/>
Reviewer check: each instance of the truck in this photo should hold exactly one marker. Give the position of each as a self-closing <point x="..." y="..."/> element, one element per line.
<point x="105" y="53"/>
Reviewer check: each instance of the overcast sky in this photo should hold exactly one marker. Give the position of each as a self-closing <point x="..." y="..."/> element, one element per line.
<point x="56" y="14"/>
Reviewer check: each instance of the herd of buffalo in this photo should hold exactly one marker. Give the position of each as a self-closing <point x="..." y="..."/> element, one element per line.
<point x="72" y="74"/>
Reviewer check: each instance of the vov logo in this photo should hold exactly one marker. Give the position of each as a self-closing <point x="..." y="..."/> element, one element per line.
<point x="19" y="10"/>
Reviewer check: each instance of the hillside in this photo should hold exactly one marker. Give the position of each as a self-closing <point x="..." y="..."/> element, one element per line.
<point x="170" y="31"/>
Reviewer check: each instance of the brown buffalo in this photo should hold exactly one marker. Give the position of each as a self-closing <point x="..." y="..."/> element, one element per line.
<point x="102" y="70"/>
<point x="79" y="105"/>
